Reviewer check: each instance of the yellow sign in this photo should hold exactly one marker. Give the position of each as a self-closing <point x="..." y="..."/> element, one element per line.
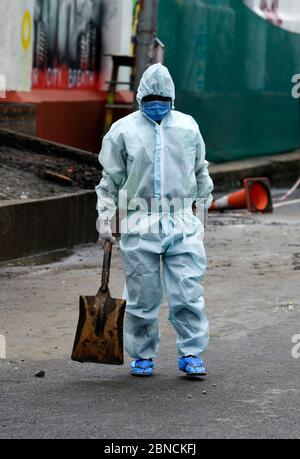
<point x="26" y="30"/>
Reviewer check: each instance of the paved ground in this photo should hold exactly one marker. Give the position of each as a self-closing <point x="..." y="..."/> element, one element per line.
<point x="253" y="387"/>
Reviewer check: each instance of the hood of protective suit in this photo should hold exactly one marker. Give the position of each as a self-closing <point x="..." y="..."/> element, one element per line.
<point x="156" y="81"/>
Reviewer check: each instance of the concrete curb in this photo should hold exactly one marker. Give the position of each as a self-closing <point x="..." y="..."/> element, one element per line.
<point x="46" y="147"/>
<point x="282" y="170"/>
<point x="31" y="227"/>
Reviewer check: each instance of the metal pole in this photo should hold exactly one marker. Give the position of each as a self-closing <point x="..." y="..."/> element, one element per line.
<point x="146" y="33"/>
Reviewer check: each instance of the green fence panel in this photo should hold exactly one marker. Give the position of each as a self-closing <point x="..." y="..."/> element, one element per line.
<point x="233" y="72"/>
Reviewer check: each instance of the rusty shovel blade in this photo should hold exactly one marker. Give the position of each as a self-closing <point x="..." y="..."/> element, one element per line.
<point x="99" y="336"/>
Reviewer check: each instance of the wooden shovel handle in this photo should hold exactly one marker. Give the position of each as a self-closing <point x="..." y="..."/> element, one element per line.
<point x="106" y="266"/>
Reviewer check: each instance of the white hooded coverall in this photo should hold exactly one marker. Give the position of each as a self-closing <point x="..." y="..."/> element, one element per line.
<point x="151" y="164"/>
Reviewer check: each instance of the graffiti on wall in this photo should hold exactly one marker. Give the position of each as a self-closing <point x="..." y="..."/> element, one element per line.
<point x="68" y="44"/>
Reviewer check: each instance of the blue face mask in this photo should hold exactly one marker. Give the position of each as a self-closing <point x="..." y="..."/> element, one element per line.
<point x="156" y="110"/>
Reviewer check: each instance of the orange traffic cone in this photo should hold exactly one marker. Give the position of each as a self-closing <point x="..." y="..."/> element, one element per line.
<point x="237" y="200"/>
<point x="255" y="196"/>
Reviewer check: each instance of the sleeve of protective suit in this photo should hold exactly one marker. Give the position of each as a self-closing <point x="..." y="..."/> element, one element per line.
<point x="204" y="182"/>
<point x="113" y="160"/>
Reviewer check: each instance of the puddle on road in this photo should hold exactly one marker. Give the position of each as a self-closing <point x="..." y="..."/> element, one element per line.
<point x="41" y="260"/>
<point x="79" y="257"/>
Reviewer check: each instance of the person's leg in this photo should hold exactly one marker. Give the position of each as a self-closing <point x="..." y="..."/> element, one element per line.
<point x="184" y="270"/>
<point x="141" y="259"/>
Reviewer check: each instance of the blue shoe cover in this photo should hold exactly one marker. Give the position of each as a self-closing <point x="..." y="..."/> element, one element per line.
<point x="192" y="366"/>
<point x="142" y="367"/>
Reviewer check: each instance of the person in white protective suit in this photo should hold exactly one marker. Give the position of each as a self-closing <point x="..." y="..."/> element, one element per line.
<point x="154" y="168"/>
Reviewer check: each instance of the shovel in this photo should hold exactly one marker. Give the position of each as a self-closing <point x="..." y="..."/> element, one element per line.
<point x="99" y="337"/>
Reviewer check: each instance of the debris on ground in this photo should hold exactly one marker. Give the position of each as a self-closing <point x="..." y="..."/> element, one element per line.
<point x="28" y="175"/>
<point x="40" y="374"/>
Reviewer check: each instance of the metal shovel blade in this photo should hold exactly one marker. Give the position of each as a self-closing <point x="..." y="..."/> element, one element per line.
<point x="99" y="336"/>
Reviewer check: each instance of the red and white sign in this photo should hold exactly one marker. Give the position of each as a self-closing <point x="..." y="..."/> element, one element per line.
<point x="61" y="44"/>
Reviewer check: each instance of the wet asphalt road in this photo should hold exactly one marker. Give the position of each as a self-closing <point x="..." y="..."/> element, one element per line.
<point x="253" y="386"/>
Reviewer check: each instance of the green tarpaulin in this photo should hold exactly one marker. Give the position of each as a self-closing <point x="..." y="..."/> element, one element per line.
<point x="233" y="72"/>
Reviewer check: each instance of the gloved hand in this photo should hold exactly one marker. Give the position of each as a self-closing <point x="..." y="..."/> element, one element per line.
<point x="105" y="233"/>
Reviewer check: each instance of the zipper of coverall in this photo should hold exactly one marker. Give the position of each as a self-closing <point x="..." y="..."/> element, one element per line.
<point x="158" y="163"/>
<point x="158" y="127"/>
<point x="162" y="168"/>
